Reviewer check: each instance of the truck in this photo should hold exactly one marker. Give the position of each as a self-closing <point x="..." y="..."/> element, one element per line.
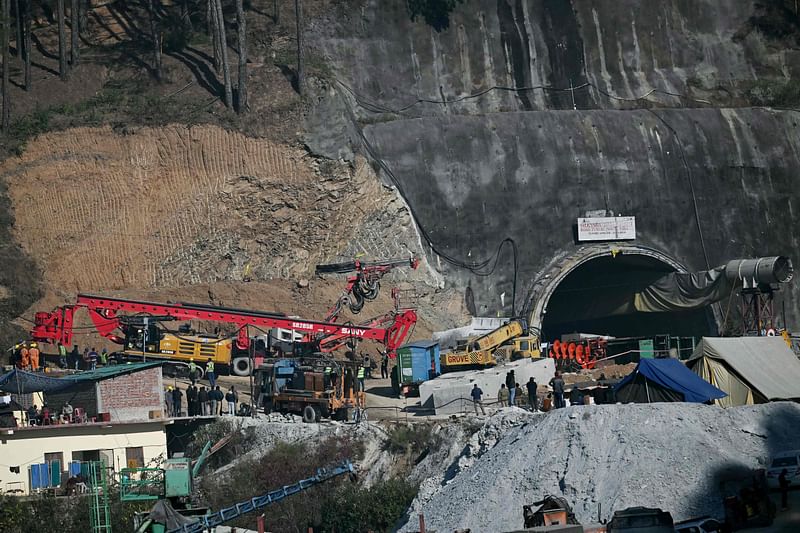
<point x="315" y="387"/>
<point x="508" y="342"/>
<point x="139" y="327"/>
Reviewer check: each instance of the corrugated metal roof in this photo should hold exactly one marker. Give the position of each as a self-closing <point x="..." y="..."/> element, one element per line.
<point x="112" y="371"/>
<point x="419" y="344"/>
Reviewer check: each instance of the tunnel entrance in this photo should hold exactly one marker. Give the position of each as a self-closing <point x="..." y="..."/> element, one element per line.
<point x="595" y="298"/>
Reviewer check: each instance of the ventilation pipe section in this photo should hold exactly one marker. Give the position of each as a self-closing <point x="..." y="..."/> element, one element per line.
<point x="760" y="271"/>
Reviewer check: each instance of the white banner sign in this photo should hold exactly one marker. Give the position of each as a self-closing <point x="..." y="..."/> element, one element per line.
<point x="606" y="228"/>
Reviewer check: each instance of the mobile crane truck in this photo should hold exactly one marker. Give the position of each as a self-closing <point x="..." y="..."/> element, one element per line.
<point x="508" y="342"/>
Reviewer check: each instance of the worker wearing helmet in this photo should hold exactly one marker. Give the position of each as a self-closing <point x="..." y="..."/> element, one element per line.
<point x="212" y="376"/>
<point x="33" y="354"/>
<point x="24" y="358"/>
<point x="192" y="370"/>
<point x="362" y="372"/>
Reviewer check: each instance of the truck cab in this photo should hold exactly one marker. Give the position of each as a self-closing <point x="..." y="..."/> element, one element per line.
<point x="314" y="388"/>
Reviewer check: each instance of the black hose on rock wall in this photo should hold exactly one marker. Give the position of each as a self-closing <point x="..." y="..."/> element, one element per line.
<point x="477" y="268"/>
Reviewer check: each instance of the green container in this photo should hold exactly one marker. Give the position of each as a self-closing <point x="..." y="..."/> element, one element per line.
<point x="646" y="349"/>
<point x="178" y="477"/>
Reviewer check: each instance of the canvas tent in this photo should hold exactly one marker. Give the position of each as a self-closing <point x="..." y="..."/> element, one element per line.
<point x="750" y="369"/>
<point x="664" y="380"/>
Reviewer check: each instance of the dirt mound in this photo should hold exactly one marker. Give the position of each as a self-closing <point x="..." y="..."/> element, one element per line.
<point x="610" y="457"/>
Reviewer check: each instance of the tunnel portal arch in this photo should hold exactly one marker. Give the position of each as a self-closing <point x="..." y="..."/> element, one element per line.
<point x="564" y="295"/>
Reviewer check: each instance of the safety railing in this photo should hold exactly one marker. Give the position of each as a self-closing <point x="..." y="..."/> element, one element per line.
<point x="136" y="484"/>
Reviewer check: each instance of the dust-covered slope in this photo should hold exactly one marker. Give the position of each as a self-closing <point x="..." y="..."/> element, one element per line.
<point x="163" y="210"/>
<point x="672" y="456"/>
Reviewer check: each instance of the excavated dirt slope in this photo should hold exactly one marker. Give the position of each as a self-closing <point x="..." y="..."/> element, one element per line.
<point x="680" y="457"/>
<point x="192" y="212"/>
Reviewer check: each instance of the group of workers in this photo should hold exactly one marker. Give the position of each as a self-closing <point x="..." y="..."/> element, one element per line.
<point x="200" y="402"/>
<point x="511" y="394"/>
<point x="26" y="355"/>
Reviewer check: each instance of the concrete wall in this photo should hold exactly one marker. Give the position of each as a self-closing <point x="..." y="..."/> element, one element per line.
<point x="472" y="181"/>
<point x="525" y="164"/>
<point x="706" y="49"/>
<point x="450" y="393"/>
<point x="25" y="446"/>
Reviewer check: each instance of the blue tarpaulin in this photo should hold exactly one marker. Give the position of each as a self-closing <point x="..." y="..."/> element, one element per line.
<point x="22" y="382"/>
<point x="657" y="380"/>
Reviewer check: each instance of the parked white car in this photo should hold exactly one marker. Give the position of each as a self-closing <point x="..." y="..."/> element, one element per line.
<point x="789" y="460"/>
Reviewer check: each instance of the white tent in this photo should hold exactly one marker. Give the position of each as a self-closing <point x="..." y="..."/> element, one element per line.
<point x="750" y="369"/>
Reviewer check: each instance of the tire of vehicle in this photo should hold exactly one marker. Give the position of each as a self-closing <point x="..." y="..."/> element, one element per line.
<point x="309" y="415"/>
<point x="241" y="366"/>
<point x="318" y="414"/>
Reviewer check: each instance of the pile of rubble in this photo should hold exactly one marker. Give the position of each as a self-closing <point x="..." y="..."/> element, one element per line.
<point x="679" y="457"/>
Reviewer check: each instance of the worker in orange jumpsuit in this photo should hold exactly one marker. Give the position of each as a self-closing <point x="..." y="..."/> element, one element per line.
<point x="24" y="358"/>
<point x="34" y="353"/>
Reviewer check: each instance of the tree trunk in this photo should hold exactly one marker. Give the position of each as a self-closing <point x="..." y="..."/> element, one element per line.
<point x="74" y="22"/>
<point x="155" y="31"/>
<point x="276" y="16"/>
<point x="298" y="10"/>
<point x="223" y="45"/>
<point x="18" y="17"/>
<point x="212" y="31"/>
<point x="241" y="101"/>
<point x="83" y="15"/>
<point x="28" y="45"/>
<point x="62" y="41"/>
<point x="5" y="24"/>
<point x="186" y="17"/>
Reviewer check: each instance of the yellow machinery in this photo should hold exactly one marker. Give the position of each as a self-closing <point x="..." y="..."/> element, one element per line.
<point x="184" y="348"/>
<point x="501" y="344"/>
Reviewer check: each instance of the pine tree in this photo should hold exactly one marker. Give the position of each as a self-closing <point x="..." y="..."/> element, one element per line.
<point x="298" y="10"/>
<point x="222" y="41"/>
<point x="74" y="22"/>
<point x="241" y="101"/>
<point x="62" y="41"/>
<point x="5" y="26"/>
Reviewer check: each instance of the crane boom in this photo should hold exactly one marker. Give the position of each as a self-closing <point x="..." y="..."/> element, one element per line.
<point x="57" y="325"/>
<point x="229" y="513"/>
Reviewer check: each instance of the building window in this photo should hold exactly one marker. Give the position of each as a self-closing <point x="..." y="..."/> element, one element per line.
<point x="134" y="457"/>
<point x="54" y="456"/>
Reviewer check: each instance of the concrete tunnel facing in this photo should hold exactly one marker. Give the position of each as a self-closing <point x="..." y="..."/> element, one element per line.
<point x="592" y="297"/>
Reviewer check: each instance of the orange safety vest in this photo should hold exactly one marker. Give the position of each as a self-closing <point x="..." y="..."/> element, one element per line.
<point x="34" y="355"/>
<point x="25" y="359"/>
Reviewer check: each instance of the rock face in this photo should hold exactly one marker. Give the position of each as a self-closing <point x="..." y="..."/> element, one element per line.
<point x="558" y="55"/>
<point x="680" y="457"/>
<point x="614" y="108"/>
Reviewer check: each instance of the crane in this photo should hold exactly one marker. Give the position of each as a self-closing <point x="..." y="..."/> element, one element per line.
<point x="132" y="323"/>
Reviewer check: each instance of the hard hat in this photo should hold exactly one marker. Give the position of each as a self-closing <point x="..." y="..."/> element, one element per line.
<point x="33" y="345"/>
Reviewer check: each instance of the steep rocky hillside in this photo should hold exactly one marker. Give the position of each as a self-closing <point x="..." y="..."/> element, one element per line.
<point x="178" y="207"/>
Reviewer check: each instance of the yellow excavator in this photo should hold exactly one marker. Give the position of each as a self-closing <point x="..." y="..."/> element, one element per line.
<point x="505" y="343"/>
